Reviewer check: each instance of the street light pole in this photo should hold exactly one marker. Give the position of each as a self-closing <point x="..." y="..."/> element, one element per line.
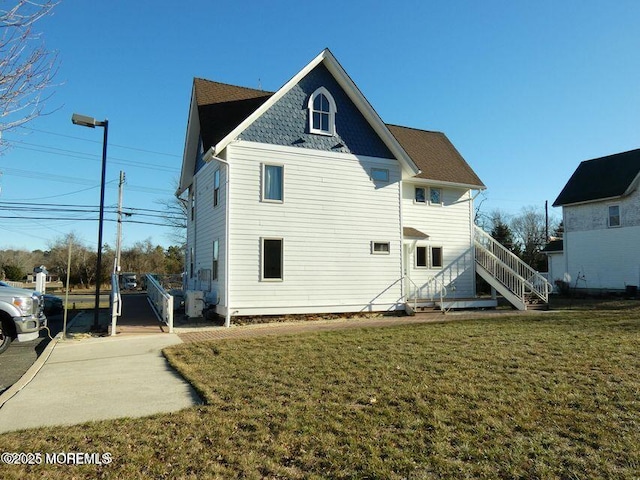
<point x="92" y="123"/>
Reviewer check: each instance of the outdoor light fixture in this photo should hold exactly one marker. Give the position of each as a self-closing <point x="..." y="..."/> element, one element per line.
<point x="86" y="121"/>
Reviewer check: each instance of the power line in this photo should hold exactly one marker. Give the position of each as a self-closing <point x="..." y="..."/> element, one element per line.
<point x="96" y="141"/>
<point x="88" y="156"/>
<point x="81" y="181"/>
<point x="72" y="207"/>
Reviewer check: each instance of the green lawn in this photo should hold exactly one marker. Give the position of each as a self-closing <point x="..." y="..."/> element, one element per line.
<point x="552" y="395"/>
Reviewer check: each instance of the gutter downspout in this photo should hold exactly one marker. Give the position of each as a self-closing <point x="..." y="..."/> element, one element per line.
<point x="210" y="155"/>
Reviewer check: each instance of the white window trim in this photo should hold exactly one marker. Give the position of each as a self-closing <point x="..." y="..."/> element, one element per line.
<point x="425" y="195"/>
<point x="332" y="113"/>
<point x="378" y="169"/>
<point x="609" y="216"/>
<point x="215" y="267"/>
<point x="216" y="190"/>
<point x="376" y="242"/>
<point x="264" y="184"/>
<point x="192" y="203"/>
<point x="441" y="202"/>
<point x="262" y="277"/>
<point x="426" y="257"/>
<point x="431" y="265"/>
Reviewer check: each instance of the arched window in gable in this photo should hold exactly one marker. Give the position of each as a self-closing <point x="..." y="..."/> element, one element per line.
<point x="322" y="112"/>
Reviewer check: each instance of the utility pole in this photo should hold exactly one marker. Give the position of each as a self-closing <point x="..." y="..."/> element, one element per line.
<point x="116" y="267"/>
<point x="546" y="220"/>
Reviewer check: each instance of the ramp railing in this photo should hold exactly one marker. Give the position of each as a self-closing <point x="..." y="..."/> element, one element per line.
<point x="161" y="301"/>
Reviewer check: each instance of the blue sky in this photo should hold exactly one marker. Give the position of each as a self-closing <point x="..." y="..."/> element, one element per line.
<point x="524" y="90"/>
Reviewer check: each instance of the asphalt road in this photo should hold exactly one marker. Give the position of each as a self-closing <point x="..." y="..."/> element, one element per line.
<point x="17" y="359"/>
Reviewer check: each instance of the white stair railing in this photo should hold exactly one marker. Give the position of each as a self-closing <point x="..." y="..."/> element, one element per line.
<point x="508" y="269"/>
<point x="161" y="301"/>
<point x="413" y="296"/>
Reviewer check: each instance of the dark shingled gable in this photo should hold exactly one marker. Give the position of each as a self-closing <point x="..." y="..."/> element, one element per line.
<point x="222" y="107"/>
<point x="435" y="156"/>
<point x="601" y="178"/>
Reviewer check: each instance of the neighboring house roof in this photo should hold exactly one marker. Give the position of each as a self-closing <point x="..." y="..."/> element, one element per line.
<point x="554" y="246"/>
<point x="602" y="178"/>
<point x="435" y="156"/>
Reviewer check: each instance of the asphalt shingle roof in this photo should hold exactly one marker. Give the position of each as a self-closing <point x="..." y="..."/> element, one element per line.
<point x="435" y="156"/>
<point x="600" y="178"/>
<point x="223" y="107"/>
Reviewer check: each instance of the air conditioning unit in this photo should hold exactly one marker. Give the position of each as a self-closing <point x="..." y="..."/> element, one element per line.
<point x="194" y="303"/>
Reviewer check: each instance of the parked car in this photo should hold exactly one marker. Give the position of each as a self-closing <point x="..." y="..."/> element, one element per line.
<point x="52" y="305"/>
<point x="21" y="315"/>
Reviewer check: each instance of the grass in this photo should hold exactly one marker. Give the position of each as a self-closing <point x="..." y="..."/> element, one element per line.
<point x="551" y="395"/>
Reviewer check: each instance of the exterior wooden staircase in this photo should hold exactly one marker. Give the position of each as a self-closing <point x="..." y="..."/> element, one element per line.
<point x="516" y="281"/>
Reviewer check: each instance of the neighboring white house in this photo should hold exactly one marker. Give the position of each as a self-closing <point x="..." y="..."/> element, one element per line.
<point x="601" y="217"/>
<point x="304" y="201"/>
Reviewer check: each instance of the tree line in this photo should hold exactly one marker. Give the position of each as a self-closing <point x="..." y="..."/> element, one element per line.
<point x="524" y="234"/>
<point x="141" y="258"/>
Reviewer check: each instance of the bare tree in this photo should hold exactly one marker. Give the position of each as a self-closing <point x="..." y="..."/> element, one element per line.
<point x="27" y="68"/>
<point x="529" y="229"/>
<point x="83" y="260"/>
<point x="175" y="214"/>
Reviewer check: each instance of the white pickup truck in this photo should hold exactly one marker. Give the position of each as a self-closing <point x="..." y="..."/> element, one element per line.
<point x="21" y="315"/>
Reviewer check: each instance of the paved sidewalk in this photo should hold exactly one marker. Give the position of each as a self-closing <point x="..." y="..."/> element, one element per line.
<point x="97" y="379"/>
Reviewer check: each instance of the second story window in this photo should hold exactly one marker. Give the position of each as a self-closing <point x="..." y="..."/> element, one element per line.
<point x="614" y="216"/>
<point x="192" y="202"/>
<point x="273" y="183"/>
<point x="435" y="196"/>
<point x="216" y="188"/>
<point x="322" y="112"/>
<point x="380" y="175"/>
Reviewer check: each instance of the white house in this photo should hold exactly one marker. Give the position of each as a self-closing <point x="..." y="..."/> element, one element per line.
<point x="304" y="201"/>
<point x="601" y="216"/>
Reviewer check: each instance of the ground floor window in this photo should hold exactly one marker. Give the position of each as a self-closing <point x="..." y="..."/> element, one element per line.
<point x="380" y="248"/>
<point x="421" y="257"/>
<point x="214" y="269"/>
<point x="436" y="257"/>
<point x="272" y="258"/>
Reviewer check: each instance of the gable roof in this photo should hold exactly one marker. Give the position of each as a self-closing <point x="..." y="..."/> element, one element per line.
<point x="435" y="156"/>
<point x="223" y="111"/>
<point x="326" y="57"/>
<point x="222" y="107"/>
<point x="602" y="178"/>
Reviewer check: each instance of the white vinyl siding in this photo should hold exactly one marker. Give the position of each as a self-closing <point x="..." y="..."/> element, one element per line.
<point x="606" y="259"/>
<point x="449" y="229"/>
<point x="332" y="214"/>
<point x="208" y="227"/>
<point x="596" y="256"/>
